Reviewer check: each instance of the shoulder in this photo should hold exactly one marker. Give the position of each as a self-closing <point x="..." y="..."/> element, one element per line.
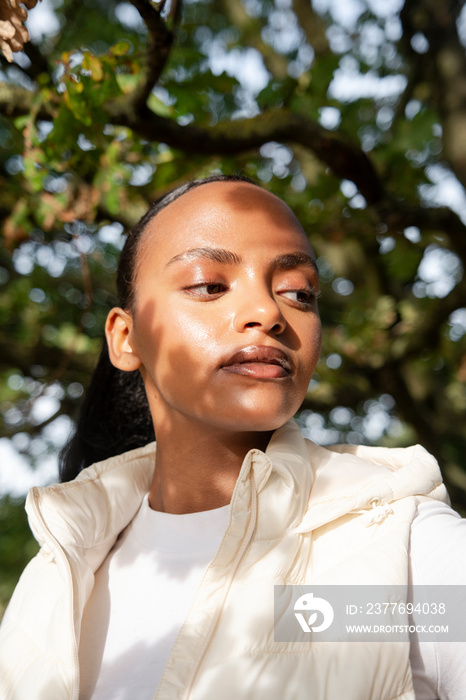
<point x="390" y="473"/>
<point x="438" y="545"/>
<point x="436" y="559"/>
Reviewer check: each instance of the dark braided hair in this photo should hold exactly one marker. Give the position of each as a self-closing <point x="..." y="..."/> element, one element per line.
<point x="115" y="416"/>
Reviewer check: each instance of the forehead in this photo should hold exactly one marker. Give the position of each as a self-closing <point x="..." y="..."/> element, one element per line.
<point x="226" y="214"/>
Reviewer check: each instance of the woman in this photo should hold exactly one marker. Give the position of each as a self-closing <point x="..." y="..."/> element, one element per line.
<point x="159" y="582"/>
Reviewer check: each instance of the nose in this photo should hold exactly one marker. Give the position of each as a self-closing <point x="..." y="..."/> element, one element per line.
<point x="258" y="309"/>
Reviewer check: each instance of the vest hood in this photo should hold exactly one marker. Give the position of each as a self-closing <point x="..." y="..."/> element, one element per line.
<point x="349" y="478"/>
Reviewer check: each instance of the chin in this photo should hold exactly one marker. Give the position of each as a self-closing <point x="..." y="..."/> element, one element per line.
<point x="268" y="413"/>
<point x="260" y="422"/>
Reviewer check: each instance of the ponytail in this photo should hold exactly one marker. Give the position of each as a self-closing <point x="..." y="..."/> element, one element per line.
<point x="114" y="418"/>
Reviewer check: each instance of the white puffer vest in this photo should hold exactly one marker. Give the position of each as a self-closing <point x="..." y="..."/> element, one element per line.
<point x="299" y="514"/>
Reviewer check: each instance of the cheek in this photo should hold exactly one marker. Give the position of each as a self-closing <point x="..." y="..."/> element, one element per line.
<point x="317" y="339"/>
<point x="311" y="339"/>
<point x="175" y="346"/>
<point x="309" y="356"/>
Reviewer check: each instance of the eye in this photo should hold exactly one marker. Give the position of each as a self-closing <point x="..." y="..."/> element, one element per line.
<point x="207" y="290"/>
<point x="302" y="297"/>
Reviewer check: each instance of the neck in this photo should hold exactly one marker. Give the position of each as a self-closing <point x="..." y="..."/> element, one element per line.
<point x="199" y="471"/>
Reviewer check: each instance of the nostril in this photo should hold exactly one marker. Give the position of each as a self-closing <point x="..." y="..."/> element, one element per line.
<point x="251" y="324"/>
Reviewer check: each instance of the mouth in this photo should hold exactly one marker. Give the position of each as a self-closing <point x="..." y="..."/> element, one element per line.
<point x="259" y="362"/>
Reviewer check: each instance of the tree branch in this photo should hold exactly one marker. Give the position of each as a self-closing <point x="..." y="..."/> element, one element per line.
<point x="399" y="215"/>
<point x="337" y="151"/>
<point x="313" y="26"/>
<point x="158" y="49"/>
<point x="444" y="68"/>
<point x="16" y="101"/>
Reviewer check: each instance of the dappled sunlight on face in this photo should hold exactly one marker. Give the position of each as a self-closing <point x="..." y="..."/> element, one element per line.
<point x="226" y="269"/>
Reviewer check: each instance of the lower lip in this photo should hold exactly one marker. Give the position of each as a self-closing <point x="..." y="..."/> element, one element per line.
<point x="258" y="370"/>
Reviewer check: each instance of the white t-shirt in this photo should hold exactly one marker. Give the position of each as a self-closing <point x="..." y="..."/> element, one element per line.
<point x="142" y="595"/>
<point x="146" y="585"/>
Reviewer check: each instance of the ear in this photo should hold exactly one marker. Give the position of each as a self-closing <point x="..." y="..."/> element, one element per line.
<point x="118" y="331"/>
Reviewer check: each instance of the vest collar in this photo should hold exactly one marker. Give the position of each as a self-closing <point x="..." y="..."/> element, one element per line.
<point x="307" y="486"/>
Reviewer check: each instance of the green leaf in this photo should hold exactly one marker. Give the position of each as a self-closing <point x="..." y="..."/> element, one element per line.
<point x="94" y="65"/>
<point x="121" y="48"/>
<point x="159" y="107"/>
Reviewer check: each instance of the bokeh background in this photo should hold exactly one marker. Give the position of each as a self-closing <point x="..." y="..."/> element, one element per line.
<point x="353" y="111"/>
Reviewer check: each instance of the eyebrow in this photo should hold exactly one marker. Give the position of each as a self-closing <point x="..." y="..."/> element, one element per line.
<point x="287" y="261"/>
<point x="219" y="255"/>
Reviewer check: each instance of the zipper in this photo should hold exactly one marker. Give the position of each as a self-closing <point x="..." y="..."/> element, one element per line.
<point x="48" y="535"/>
<point x="234" y="568"/>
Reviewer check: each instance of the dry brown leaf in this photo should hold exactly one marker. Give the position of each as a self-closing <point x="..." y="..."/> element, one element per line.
<point x="13" y="33"/>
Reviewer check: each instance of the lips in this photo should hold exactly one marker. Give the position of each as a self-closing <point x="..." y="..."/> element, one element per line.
<point x="260" y="362"/>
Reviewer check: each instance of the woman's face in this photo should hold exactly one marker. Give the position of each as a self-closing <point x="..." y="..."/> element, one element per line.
<point x="225" y="326"/>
